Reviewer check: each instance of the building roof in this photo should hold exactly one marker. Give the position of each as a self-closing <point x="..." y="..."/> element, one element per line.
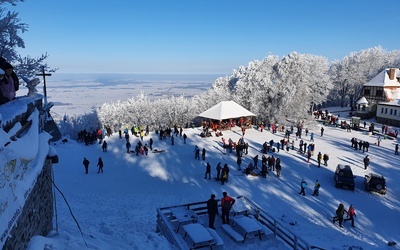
<point x="391" y="103"/>
<point x="226" y="110"/>
<point x="362" y="100"/>
<point x="382" y="79"/>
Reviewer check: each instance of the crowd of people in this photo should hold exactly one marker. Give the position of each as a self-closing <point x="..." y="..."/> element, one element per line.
<point x="257" y="164"/>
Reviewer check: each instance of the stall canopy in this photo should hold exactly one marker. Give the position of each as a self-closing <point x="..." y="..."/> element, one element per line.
<point x="226" y="110"/>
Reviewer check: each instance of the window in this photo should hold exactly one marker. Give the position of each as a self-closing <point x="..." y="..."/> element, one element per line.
<point x="382" y="111"/>
<point x="385" y="110"/>
<point x="391" y="111"/>
<point x="367" y="91"/>
<point x="379" y="92"/>
<point x="395" y="112"/>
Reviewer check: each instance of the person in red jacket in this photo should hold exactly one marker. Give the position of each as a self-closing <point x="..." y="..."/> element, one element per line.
<point x="351" y="213"/>
<point x="226" y="204"/>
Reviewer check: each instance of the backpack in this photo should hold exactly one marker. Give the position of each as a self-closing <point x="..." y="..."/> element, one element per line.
<point x="227" y="205"/>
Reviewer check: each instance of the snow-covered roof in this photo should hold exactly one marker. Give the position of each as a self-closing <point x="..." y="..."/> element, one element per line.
<point x="226" y="110"/>
<point x="382" y="79"/>
<point x="391" y="103"/>
<point x="362" y="100"/>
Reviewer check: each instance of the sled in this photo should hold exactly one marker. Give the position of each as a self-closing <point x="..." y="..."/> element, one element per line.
<point x="158" y="151"/>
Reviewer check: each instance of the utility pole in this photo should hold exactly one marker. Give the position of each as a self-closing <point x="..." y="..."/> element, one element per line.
<point x="44" y="84"/>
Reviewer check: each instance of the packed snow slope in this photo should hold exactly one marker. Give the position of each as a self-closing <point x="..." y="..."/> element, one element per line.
<point x="117" y="209"/>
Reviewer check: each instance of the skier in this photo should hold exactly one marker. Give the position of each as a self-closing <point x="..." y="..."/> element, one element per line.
<point x="303" y="185"/>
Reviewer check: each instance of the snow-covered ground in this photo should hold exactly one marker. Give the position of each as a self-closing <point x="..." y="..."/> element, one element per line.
<point x="117" y="209"/>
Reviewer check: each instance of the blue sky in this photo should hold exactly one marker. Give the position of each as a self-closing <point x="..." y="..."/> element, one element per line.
<point x="200" y="36"/>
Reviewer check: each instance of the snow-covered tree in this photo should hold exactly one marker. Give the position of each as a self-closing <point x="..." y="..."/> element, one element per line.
<point x="11" y="27"/>
<point x="276" y="90"/>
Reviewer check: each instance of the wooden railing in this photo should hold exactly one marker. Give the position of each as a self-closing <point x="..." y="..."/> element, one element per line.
<point x="165" y="216"/>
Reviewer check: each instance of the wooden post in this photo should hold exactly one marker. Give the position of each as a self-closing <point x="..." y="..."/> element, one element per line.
<point x="44" y="84"/>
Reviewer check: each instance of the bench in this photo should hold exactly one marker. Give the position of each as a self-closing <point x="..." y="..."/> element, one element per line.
<point x="229" y="230"/>
<point x="217" y="239"/>
<point x="248" y="225"/>
<point x="265" y="229"/>
<point x="198" y="235"/>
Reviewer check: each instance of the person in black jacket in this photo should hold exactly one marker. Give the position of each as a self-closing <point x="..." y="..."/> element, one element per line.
<point x="366" y="162"/>
<point x="86" y="163"/>
<point x="208" y="171"/>
<point x="100" y="165"/>
<point x="212" y="210"/>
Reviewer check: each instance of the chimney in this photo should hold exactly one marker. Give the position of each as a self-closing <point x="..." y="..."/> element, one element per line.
<point x="391" y="73"/>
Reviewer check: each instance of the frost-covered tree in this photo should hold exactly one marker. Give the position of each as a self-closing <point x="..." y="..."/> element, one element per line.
<point x="276" y="90"/>
<point x="11" y="29"/>
<point x="318" y="80"/>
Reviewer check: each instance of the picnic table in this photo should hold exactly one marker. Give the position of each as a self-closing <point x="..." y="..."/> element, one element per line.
<point x="183" y="215"/>
<point x="248" y="225"/>
<point x="198" y="234"/>
<point x="240" y="207"/>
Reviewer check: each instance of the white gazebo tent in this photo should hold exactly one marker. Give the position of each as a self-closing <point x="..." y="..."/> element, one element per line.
<point x="362" y="105"/>
<point x="227" y="110"/>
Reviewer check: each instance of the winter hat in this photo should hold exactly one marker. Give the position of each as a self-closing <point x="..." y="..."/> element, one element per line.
<point x="7" y="66"/>
<point x="213" y="196"/>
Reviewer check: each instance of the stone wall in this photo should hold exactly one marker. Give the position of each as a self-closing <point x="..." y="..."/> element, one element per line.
<point x="36" y="217"/>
